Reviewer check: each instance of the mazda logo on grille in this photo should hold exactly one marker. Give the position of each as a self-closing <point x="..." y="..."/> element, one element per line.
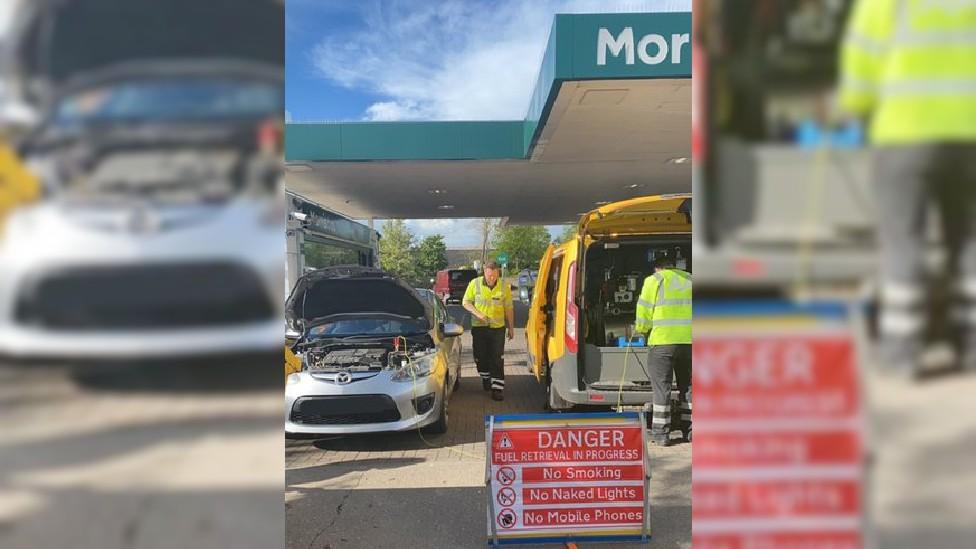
<point x="143" y="220"/>
<point x="343" y="378"/>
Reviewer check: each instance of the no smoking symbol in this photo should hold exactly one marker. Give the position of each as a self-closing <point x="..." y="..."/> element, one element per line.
<point x="505" y="475"/>
<point x="506" y="519"/>
<point x="506" y="497"/>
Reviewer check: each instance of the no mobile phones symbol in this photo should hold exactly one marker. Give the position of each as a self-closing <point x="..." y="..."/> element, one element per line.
<point x="506" y="497"/>
<point x="505" y="475"/>
<point x="506" y="518"/>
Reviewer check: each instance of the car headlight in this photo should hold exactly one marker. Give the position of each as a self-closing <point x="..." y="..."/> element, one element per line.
<point x="416" y="368"/>
<point x="293" y="378"/>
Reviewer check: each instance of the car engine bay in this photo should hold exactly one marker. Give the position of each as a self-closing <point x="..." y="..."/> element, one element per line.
<point x="368" y="356"/>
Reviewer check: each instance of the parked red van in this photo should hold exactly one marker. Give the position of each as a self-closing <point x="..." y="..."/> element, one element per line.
<point x="450" y="284"/>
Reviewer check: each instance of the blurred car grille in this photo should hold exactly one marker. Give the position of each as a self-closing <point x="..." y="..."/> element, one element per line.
<point x="344" y="410"/>
<point x="144" y="297"/>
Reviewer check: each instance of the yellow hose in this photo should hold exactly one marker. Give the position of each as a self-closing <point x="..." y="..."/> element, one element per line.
<point x="812" y="212"/>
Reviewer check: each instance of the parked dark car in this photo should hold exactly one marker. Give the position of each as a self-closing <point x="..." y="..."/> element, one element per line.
<point x="525" y="284"/>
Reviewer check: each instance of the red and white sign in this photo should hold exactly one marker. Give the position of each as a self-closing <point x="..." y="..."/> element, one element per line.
<point x="778" y="455"/>
<point x="774" y="378"/>
<point x="567" y="475"/>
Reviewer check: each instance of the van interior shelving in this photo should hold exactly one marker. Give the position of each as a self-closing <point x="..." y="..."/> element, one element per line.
<point x="613" y="275"/>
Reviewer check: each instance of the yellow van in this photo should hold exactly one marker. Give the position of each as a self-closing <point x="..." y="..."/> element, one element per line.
<point x="583" y="305"/>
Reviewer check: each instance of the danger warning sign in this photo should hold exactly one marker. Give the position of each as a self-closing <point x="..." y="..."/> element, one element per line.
<point x="779" y="445"/>
<point x="566" y="477"/>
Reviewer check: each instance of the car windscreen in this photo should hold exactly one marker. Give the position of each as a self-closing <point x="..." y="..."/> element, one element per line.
<point x="188" y="99"/>
<point x="327" y="297"/>
<point x="367" y="326"/>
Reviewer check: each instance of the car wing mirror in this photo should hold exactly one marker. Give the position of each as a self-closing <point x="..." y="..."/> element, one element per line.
<point x="294" y="332"/>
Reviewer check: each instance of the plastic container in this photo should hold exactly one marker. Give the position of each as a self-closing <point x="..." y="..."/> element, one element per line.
<point x="635" y="341"/>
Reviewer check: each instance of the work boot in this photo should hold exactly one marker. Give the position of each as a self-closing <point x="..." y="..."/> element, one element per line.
<point x="497" y="395"/>
<point x="687" y="435"/>
<point x="901" y="358"/>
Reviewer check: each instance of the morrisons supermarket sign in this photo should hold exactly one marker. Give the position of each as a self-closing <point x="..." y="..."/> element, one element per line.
<point x="623" y="45"/>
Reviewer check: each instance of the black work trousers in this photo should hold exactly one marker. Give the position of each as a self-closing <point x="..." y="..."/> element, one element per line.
<point x="488" y="346"/>
<point x="666" y="361"/>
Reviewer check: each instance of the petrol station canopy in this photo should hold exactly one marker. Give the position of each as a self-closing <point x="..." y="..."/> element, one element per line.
<point x="609" y="119"/>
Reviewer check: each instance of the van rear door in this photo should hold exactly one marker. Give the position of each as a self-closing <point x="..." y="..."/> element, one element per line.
<point x="536" y="326"/>
<point x="621" y="228"/>
<point x="645" y="215"/>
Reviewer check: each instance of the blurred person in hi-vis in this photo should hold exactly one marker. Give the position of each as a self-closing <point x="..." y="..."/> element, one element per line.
<point x="910" y="67"/>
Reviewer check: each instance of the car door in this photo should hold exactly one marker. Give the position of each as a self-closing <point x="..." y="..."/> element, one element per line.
<point x="536" y="326"/>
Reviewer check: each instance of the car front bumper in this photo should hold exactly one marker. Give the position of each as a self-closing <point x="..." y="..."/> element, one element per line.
<point x="402" y="394"/>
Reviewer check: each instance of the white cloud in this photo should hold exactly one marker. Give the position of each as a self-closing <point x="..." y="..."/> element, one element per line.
<point x="453" y="60"/>
<point x="385" y="111"/>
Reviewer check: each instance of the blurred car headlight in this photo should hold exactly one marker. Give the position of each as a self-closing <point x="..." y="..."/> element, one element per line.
<point x="294" y="378"/>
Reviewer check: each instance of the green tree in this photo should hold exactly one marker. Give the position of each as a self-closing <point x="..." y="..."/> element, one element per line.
<point x="569" y="231"/>
<point x="487" y="228"/>
<point x="524" y="244"/>
<point x="396" y="249"/>
<point x="431" y="255"/>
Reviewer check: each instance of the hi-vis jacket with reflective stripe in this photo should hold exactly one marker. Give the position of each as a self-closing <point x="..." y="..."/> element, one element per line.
<point x="664" y="308"/>
<point x="912" y="65"/>
<point x="491" y="301"/>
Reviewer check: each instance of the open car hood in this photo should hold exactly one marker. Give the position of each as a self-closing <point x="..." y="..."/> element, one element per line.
<point x="662" y="214"/>
<point x="53" y="42"/>
<point x="351" y="290"/>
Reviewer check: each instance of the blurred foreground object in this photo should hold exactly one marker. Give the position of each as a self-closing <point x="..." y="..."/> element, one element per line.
<point x="789" y="207"/>
<point x="141" y="296"/>
<point x="779" y="450"/>
<point x="161" y="231"/>
<point x="911" y="68"/>
<point x="18" y="186"/>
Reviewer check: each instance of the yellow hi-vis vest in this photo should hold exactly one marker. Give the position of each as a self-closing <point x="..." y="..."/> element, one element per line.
<point x="911" y="64"/>
<point x="664" y="308"/>
<point x="492" y="302"/>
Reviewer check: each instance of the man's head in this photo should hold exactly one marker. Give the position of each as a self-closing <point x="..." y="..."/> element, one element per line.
<point x="663" y="262"/>
<point x="492" y="271"/>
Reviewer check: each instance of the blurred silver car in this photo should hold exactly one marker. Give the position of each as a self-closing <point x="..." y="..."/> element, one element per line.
<point x="376" y="355"/>
<point x="160" y="230"/>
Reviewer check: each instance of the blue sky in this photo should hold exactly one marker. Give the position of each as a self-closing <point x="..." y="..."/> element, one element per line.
<point x="368" y="60"/>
